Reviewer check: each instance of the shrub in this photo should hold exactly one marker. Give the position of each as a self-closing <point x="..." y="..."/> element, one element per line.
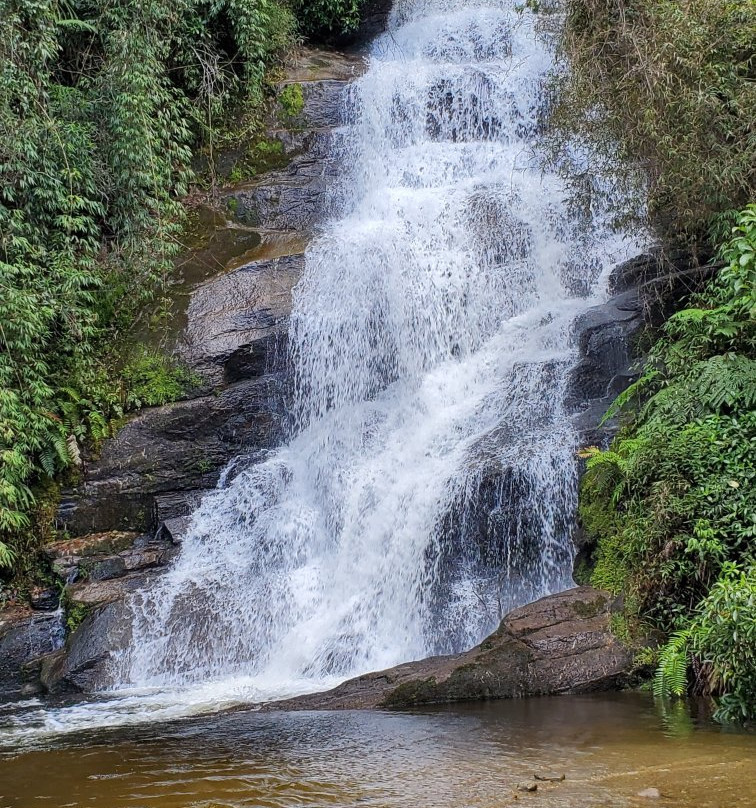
<point x="673" y="501"/>
<point x="720" y="643"/>
<point x="326" y="18"/>
<point x="667" y="85"/>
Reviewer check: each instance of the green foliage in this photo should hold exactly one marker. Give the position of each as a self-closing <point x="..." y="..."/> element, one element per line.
<point x="671" y="677"/>
<point x="721" y="639"/>
<point x="75" y="614"/>
<point x="672" y="503"/>
<point x="101" y="105"/>
<point x="291" y="100"/>
<point x="666" y="85"/>
<point x="151" y="379"/>
<point x="326" y="18"/>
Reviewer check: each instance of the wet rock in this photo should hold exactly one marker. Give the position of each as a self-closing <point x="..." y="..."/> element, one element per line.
<point x="645" y="291"/>
<point x="98" y="592"/>
<point x="606" y="365"/>
<point x="44" y="599"/>
<point x="175" y="529"/>
<point x="168" y="450"/>
<point x="99" y="600"/>
<point x="84" y="664"/>
<point x="531" y="787"/>
<point x="375" y="17"/>
<point x="559" y="644"/>
<point x="234" y="320"/>
<point x="549" y="778"/>
<point x="287" y="201"/>
<point x="25" y="636"/>
<point x="107" y="569"/>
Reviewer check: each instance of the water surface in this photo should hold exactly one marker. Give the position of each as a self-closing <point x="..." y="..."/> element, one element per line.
<point x="608" y="747"/>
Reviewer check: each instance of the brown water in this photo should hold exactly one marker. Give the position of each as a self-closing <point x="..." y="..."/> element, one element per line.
<point x="608" y="748"/>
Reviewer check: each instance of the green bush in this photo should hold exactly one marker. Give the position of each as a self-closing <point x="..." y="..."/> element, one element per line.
<point x="672" y="503"/>
<point x="720" y="642"/>
<point x="666" y="86"/>
<point x="326" y="18"/>
<point x="150" y="379"/>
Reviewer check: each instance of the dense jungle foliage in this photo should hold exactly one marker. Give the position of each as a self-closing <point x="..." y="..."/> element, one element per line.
<point x="665" y="90"/>
<point x="667" y="87"/>
<point x="102" y="106"/>
<point x="673" y="501"/>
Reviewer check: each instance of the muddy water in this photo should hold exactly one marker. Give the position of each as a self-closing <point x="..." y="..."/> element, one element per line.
<point x="475" y="756"/>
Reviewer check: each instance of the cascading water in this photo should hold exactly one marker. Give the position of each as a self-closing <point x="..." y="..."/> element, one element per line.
<point x="429" y="481"/>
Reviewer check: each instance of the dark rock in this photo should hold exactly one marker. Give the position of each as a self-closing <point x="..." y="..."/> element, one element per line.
<point x="606" y="365"/>
<point x="234" y="320"/>
<point x="25" y="636"/>
<point x="176" y="448"/>
<point x="83" y="666"/>
<point x="646" y="289"/>
<point x="87" y="555"/>
<point x="286" y="201"/>
<point x="375" y="17"/>
<point x="44" y="599"/>
<point x="108" y="568"/>
<point x="175" y="529"/>
<point x="559" y="644"/>
<point x="145" y="558"/>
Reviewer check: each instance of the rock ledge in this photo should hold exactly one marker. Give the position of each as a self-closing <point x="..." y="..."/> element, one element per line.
<point x="560" y="644"/>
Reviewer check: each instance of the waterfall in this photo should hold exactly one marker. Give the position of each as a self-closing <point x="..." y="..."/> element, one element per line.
<point x="429" y="482"/>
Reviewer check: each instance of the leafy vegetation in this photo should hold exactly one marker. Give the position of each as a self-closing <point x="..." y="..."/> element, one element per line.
<point x="666" y="86"/>
<point x="673" y="501"/>
<point x="327" y="18"/>
<point x="291" y="99"/>
<point x="102" y="108"/>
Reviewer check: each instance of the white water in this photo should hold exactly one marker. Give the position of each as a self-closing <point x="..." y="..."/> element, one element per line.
<point x="430" y="480"/>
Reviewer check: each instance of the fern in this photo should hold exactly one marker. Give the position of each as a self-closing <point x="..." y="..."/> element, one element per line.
<point x="7" y="556"/>
<point x="671" y="674"/>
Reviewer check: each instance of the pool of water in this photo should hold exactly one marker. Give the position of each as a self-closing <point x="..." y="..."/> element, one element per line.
<point x="609" y="748"/>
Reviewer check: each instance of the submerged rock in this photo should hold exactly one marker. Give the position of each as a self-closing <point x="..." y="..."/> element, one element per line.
<point x="559" y="644"/>
<point x="650" y="793"/>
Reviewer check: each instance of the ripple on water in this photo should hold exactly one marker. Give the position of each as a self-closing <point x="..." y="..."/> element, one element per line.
<point x="472" y="756"/>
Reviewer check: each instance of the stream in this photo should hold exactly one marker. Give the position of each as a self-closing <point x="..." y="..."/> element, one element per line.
<point x="608" y="747"/>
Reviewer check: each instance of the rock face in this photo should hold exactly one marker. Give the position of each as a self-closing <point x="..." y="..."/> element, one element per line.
<point x="25" y="637"/>
<point x="131" y="508"/>
<point x="559" y="644"/>
<point x="643" y="292"/>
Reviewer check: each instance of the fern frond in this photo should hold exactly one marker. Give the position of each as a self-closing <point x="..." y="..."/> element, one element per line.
<point x="671" y="677"/>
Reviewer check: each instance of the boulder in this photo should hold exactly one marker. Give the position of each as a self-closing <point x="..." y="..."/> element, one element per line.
<point x="559" y="644"/>
<point x="643" y="293"/>
<point x="83" y="665"/>
<point x="25" y="637"/>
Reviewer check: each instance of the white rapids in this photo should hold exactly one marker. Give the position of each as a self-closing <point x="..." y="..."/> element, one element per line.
<point x="429" y="483"/>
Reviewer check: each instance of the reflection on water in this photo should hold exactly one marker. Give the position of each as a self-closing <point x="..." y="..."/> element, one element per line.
<point x="608" y="748"/>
